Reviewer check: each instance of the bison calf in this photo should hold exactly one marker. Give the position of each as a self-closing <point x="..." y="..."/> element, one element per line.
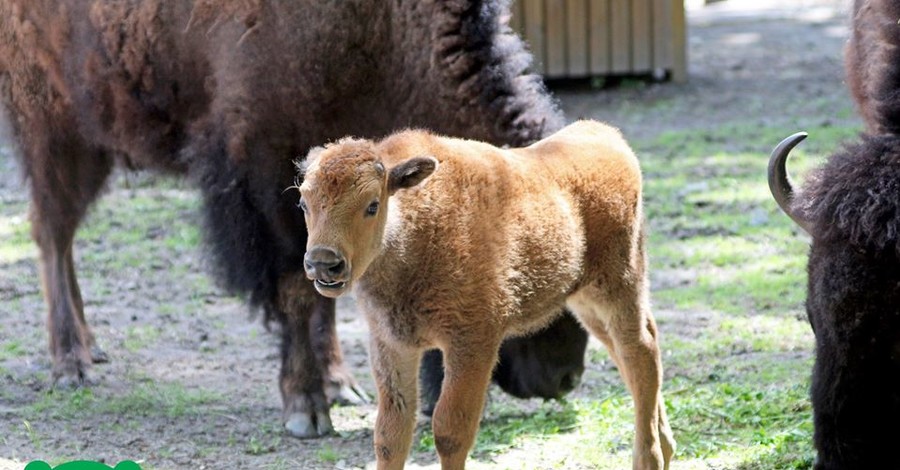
<point x="456" y="244"/>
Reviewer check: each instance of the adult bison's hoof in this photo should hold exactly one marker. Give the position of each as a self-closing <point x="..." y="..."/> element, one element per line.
<point x="346" y="392"/>
<point x="306" y="415"/>
<point x="71" y="374"/>
<point x="98" y="356"/>
<point x="309" y="425"/>
<point x="69" y="382"/>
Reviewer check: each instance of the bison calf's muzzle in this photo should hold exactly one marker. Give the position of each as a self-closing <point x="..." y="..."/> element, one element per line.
<point x="328" y="269"/>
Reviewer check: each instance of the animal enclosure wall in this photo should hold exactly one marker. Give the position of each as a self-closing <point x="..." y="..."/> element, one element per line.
<point x="585" y="38"/>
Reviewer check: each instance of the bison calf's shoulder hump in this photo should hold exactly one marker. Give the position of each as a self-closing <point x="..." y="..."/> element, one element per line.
<point x="457" y="244"/>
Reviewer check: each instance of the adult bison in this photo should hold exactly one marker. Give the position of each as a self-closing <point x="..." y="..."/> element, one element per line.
<point x="229" y="93"/>
<point x="851" y="208"/>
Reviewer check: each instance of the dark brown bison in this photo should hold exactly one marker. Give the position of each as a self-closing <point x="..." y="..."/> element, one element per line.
<point x="228" y="93"/>
<point x="851" y="208"/>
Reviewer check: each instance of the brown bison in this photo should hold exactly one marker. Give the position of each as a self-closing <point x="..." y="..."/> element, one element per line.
<point x="228" y="93"/>
<point x="851" y="208"/>
<point x="456" y="244"/>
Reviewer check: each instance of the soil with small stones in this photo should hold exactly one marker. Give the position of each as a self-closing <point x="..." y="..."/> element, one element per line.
<point x="199" y="376"/>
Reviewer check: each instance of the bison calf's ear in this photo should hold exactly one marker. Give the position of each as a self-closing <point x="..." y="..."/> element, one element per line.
<point x="411" y="173"/>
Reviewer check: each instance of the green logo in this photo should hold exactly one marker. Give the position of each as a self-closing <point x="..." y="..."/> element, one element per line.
<point x="82" y="465"/>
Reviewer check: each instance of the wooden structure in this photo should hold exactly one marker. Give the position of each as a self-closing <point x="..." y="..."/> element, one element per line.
<point x="585" y="38"/>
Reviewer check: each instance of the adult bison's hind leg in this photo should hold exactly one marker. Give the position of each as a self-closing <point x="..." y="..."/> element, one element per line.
<point x="66" y="176"/>
<point x="312" y="372"/>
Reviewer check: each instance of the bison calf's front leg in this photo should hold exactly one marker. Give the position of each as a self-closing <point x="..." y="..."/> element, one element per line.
<point x="396" y="376"/>
<point x="458" y="412"/>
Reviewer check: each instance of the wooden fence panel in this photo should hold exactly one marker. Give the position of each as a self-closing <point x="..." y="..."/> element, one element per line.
<point x="599" y="37"/>
<point x="580" y="38"/>
<point x="555" y="59"/>
<point x="620" y="28"/>
<point x="534" y="31"/>
<point x="641" y="38"/>
<point x="577" y="45"/>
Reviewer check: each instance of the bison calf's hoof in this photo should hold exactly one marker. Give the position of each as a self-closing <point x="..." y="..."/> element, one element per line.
<point x="309" y="425"/>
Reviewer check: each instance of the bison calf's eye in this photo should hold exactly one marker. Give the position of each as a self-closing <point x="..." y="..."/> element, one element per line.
<point x="302" y="205"/>
<point x="372" y="209"/>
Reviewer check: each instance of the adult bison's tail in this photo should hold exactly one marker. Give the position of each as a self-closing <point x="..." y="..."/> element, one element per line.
<point x="487" y="64"/>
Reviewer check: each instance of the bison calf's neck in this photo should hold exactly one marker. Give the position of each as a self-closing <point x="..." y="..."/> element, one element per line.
<point x="457" y="244"/>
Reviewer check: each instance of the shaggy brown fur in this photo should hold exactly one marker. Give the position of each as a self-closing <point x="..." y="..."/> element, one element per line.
<point x="851" y="207"/>
<point x="229" y="93"/>
<point x="873" y="64"/>
<point x="456" y="244"/>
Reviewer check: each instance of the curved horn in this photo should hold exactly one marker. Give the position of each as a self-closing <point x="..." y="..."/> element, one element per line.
<point x="779" y="181"/>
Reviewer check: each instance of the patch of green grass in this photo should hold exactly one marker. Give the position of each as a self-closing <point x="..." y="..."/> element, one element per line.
<point x="328" y="454"/>
<point x="139" y="337"/>
<point x="710" y="213"/>
<point x="153" y="218"/>
<point x="264" y="443"/>
<point x="11" y="348"/>
<point x="146" y="398"/>
<point x="15" y="238"/>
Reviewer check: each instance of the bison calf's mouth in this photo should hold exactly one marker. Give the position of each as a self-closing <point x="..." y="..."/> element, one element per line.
<point x="330" y="288"/>
<point x="327" y="269"/>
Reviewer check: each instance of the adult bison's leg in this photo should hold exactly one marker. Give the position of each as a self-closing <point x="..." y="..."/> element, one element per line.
<point x="66" y="176"/>
<point x="547" y="364"/>
<point x="340" y="387"/>
<point x="313" y="375"/>
<point x="301" y="379"/>
<point x="431" y="376"/>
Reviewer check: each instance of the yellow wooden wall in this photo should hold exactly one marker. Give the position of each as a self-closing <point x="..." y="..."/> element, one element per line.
<point x="583" y="38"/>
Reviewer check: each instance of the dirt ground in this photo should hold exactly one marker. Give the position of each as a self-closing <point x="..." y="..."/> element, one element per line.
<point x="750" y="62"/>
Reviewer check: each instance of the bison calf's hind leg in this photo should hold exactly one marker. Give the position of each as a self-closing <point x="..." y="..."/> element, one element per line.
<point x="623" y="322"/>
<point x="66" y="178"/>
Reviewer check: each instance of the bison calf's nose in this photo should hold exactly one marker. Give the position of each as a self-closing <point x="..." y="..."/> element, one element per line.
<point x="324" y="264"/>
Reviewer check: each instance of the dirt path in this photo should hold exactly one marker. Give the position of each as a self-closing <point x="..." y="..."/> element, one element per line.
<point x="192" y="382"/>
